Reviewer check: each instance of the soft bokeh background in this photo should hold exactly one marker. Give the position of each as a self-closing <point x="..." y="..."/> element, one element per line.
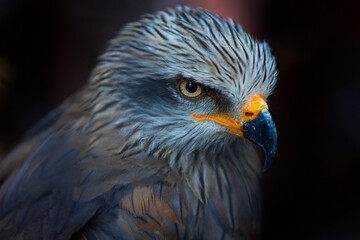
<point x="48" y="48"/>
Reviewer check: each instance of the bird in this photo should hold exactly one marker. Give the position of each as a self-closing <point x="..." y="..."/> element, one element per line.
<point x="166" y="140"/>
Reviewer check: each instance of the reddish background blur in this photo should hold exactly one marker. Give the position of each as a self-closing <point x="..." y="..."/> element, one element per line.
<point x="47" y="50"/>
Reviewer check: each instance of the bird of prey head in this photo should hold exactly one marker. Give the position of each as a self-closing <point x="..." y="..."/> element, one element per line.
<point x="157" y="145"/>
<point x="185" y="80"/>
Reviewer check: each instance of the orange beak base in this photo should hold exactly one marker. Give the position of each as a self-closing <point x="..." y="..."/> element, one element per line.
<point x="255" y="125"/>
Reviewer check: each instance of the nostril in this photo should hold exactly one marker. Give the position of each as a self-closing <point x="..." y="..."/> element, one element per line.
<point x="249" y="114"/>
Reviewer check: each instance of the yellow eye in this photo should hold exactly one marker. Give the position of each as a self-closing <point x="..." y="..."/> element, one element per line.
<point x="190" y="90"/>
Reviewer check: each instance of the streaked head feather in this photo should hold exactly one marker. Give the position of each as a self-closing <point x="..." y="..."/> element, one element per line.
<point x="147" y="58"/>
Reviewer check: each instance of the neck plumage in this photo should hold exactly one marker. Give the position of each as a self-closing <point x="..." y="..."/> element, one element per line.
<point x="235" y="169"/>
<point x="225" y="187"/>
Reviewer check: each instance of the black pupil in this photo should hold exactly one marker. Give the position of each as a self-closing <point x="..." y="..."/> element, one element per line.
<point x="191" y="87"/>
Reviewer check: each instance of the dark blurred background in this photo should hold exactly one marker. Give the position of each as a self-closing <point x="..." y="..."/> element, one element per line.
<point x="48" y="48"/>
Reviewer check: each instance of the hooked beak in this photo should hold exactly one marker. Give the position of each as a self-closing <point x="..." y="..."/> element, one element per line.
<point x="261" y="131"/>
<point x="255" y="125"/>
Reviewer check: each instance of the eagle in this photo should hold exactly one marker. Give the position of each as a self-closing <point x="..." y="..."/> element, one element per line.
<point x="161" y="143"/>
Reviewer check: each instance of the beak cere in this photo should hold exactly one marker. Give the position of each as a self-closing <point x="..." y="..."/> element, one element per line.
<point x="255" y="125"/>
<point x="258" y="127"/>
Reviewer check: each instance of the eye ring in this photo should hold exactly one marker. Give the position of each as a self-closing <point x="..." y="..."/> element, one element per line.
<point x="190" y="89"/>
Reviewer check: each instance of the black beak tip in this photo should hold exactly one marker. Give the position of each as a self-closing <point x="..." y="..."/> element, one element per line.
<point x="269" y="157"/>
<point x="262" y="132"/>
